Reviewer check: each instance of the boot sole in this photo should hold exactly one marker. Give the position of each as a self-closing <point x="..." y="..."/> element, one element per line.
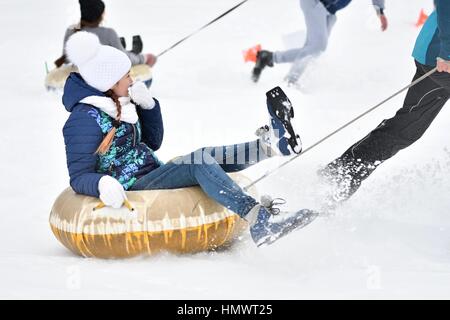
<point x="307" y="217"/>
<point x="278" y="102"/>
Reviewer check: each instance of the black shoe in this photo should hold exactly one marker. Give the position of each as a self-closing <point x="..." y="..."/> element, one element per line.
<point x="263" y="58"/>
<point x="137" y="44"/>
<point x="345" y="176"/>
<point x="123" y="42"/>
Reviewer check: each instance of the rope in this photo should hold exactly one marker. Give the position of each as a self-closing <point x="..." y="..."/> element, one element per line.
<point x="206" y="25"/>
<point x="342" y="128"/>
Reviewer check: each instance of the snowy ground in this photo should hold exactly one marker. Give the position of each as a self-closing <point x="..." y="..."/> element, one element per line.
<point x="391" y="240"/>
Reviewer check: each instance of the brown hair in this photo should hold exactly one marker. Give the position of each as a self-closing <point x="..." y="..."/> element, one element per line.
<point x="108" y="139"/>
<point x="83" y="24"/>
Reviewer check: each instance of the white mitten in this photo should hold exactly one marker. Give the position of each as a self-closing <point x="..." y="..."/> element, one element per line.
<point x="111" y="192"/>
<point x="140" y="94"/>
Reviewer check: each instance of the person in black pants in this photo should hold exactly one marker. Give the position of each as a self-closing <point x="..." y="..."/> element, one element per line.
<point x="422" y="104"/>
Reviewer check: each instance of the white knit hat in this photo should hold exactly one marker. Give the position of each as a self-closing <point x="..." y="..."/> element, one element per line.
<point x="100" y="66"/>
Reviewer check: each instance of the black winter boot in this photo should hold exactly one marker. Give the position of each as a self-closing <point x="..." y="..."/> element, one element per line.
<point x="137" y="44"/>
<point x="345" y="174"/>
<point x="263" y="58"/>
<point x="123" y="42"/>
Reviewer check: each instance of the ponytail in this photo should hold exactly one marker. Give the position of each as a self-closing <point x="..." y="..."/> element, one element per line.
<point x="108" y="139"/>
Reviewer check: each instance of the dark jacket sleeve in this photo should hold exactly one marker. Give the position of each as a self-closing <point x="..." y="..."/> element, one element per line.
<point x="152" y="126"/>
<point x="443" y="16"/>
<point x="82" y="135"/>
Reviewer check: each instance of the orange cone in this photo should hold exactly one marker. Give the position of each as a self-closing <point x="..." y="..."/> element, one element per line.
<point x="250" y="54"/>
<point x="422" y="18"/>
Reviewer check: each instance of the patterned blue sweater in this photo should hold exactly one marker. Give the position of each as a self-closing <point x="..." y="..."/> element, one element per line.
<point x="131" y="154"/>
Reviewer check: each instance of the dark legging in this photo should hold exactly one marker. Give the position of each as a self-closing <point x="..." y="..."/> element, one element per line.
<point x="422" y="104"/>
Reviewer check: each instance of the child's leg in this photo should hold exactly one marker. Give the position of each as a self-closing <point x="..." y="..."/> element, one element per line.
<point x="206" y="173"/>
<point x="235" y="157"/>
<point x="217" y="185"/>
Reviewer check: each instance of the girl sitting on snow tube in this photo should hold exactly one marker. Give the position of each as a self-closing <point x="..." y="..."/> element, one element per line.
<point x="115" y="126"/>
<point x="92" y="14"/>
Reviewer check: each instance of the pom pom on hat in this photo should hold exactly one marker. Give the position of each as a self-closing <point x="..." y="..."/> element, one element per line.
<point x="81" y="47"/>
<point x="100" y="66"/>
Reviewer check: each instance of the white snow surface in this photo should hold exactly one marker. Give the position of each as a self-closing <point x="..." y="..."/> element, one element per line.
<point x="391" y="240"/>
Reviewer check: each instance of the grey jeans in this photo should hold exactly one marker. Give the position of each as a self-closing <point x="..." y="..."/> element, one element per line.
<point x="319" y="23"/>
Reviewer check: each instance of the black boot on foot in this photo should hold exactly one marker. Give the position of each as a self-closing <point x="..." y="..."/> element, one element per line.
<point x="123" y="42"/>
<point x="345" y="175"/>
<point x="264" y="58"/>
<point x="137" y="44"/>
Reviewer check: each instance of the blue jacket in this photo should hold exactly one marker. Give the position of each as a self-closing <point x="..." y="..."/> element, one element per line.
<point x="131" y="154"/>
<point x="434" y="38"/>
<point x="335" y="5"/>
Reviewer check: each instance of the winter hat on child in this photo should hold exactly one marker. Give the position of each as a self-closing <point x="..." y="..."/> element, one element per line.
<point x="100" y="66"/>
<point x="91" y="10"/>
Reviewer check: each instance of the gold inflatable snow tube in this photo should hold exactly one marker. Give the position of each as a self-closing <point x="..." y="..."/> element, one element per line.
<point x="179" y="221"/>
<point x="57" y="77"/>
